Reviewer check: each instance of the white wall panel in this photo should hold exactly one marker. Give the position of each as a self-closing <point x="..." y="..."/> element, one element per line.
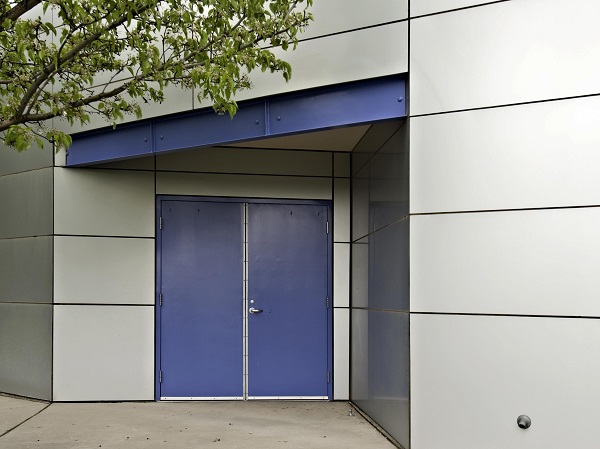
<point x="13" y="161"/>
<point x="103" y="353"/>
<point x="138" y="163"/>
<point x="26" y="350"/>
<point x="104" y="202"/>
<point x="26" y="204"/>
<point x="525" y="262"/>
<point x="333" y="16"/>
<point x="504" y="53"/>
<point x="26" y="270"/>
<point x="316" y="62"/>
<point x="536" y="155"/>
<point x="421" y="7"/>
<point x="176" y="100"/>
<point x="341" y="274"/>
<point x="341" y="354"/>
<point x="243" y="186"/>
<point x="247" y="160"/>
<point x="60" y="157"/>
<point x="103" y="270"/>
<point x="336" y="59"/>
<point x="472" y="376"/>
<point x="341" y="210"/>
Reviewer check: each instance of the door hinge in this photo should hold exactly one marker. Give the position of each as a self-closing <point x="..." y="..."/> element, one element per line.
<point x="160" y="223"/>
<point x="327" y="302"/>
<point x="328" y="377"/>
<point x="327" y="227"/>
<point x="160" y="377"/>
<point x="160" y="299"/>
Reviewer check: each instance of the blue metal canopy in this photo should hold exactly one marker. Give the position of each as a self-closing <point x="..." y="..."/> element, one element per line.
<point x="316" y="109"/>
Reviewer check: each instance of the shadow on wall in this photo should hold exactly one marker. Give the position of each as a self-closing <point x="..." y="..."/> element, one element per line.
<point x="380" y="278"/>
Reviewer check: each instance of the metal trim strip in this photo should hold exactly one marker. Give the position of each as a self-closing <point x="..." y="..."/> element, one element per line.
<point x="224" y="398"/>
<point x="288" y="398"/>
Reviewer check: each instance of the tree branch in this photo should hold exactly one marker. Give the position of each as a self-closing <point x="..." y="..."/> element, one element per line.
<point x="18" y="10"/>
<point x="48" y="115"/>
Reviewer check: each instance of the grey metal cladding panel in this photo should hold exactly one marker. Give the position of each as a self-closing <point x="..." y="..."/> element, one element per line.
<point x="380" y="371"/>
<point x="360" y="203"/>
<point x="359" y="345"/>
<point x="26" y="201"/>
<point x="372" y="141"/>
<point x="26" y="270"/>
<point x="341" y="164"/>
<point x="11" y="161"/>
<point x="26" y="350"/>
<point x="360" y="273"/>
<point x="380" y="269"/>
<point x="380" y="186"/>
<point x="388" y="268"/>
<point x="388" y="187"/>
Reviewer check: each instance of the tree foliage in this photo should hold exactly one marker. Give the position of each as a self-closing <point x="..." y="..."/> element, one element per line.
<point x="74" y="58"/>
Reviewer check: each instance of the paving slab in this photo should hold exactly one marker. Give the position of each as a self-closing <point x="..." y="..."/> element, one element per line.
<point x="149" y="425"/>
<point x="14" y="411"/>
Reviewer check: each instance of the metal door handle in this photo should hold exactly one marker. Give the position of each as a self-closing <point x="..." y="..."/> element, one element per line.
<point x="253" y="310"/>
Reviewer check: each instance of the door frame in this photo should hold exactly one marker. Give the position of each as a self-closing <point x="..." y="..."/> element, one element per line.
<point x="158" y="271"/>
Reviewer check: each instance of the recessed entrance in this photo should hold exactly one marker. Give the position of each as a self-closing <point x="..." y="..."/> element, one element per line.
<point x="244" y="299"/>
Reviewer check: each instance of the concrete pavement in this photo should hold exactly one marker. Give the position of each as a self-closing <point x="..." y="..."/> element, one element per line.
<point x="135" y="425"/>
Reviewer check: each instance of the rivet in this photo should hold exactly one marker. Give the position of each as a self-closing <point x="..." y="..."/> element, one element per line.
<point x="161" y="137"/>
<point x="400" y="99"/>
<point x="257" y="122"/>
<point x="524" y="422"/>
<point x="278" y="118"/>
<point x="145" y="139"/>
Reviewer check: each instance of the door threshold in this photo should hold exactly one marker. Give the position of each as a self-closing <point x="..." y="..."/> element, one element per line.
<point x="240" y="398"/>
<point x="201" y="398"/>
<point x="288" y="398"/>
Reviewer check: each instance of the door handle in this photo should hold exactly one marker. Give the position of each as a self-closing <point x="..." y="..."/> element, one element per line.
<point x="253" y="310"/>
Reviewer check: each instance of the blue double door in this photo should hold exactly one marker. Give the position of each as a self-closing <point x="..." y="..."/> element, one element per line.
<point x="243" y="300"/>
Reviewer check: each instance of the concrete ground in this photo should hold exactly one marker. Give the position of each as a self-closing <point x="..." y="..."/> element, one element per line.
<point x="132" y="425"/>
